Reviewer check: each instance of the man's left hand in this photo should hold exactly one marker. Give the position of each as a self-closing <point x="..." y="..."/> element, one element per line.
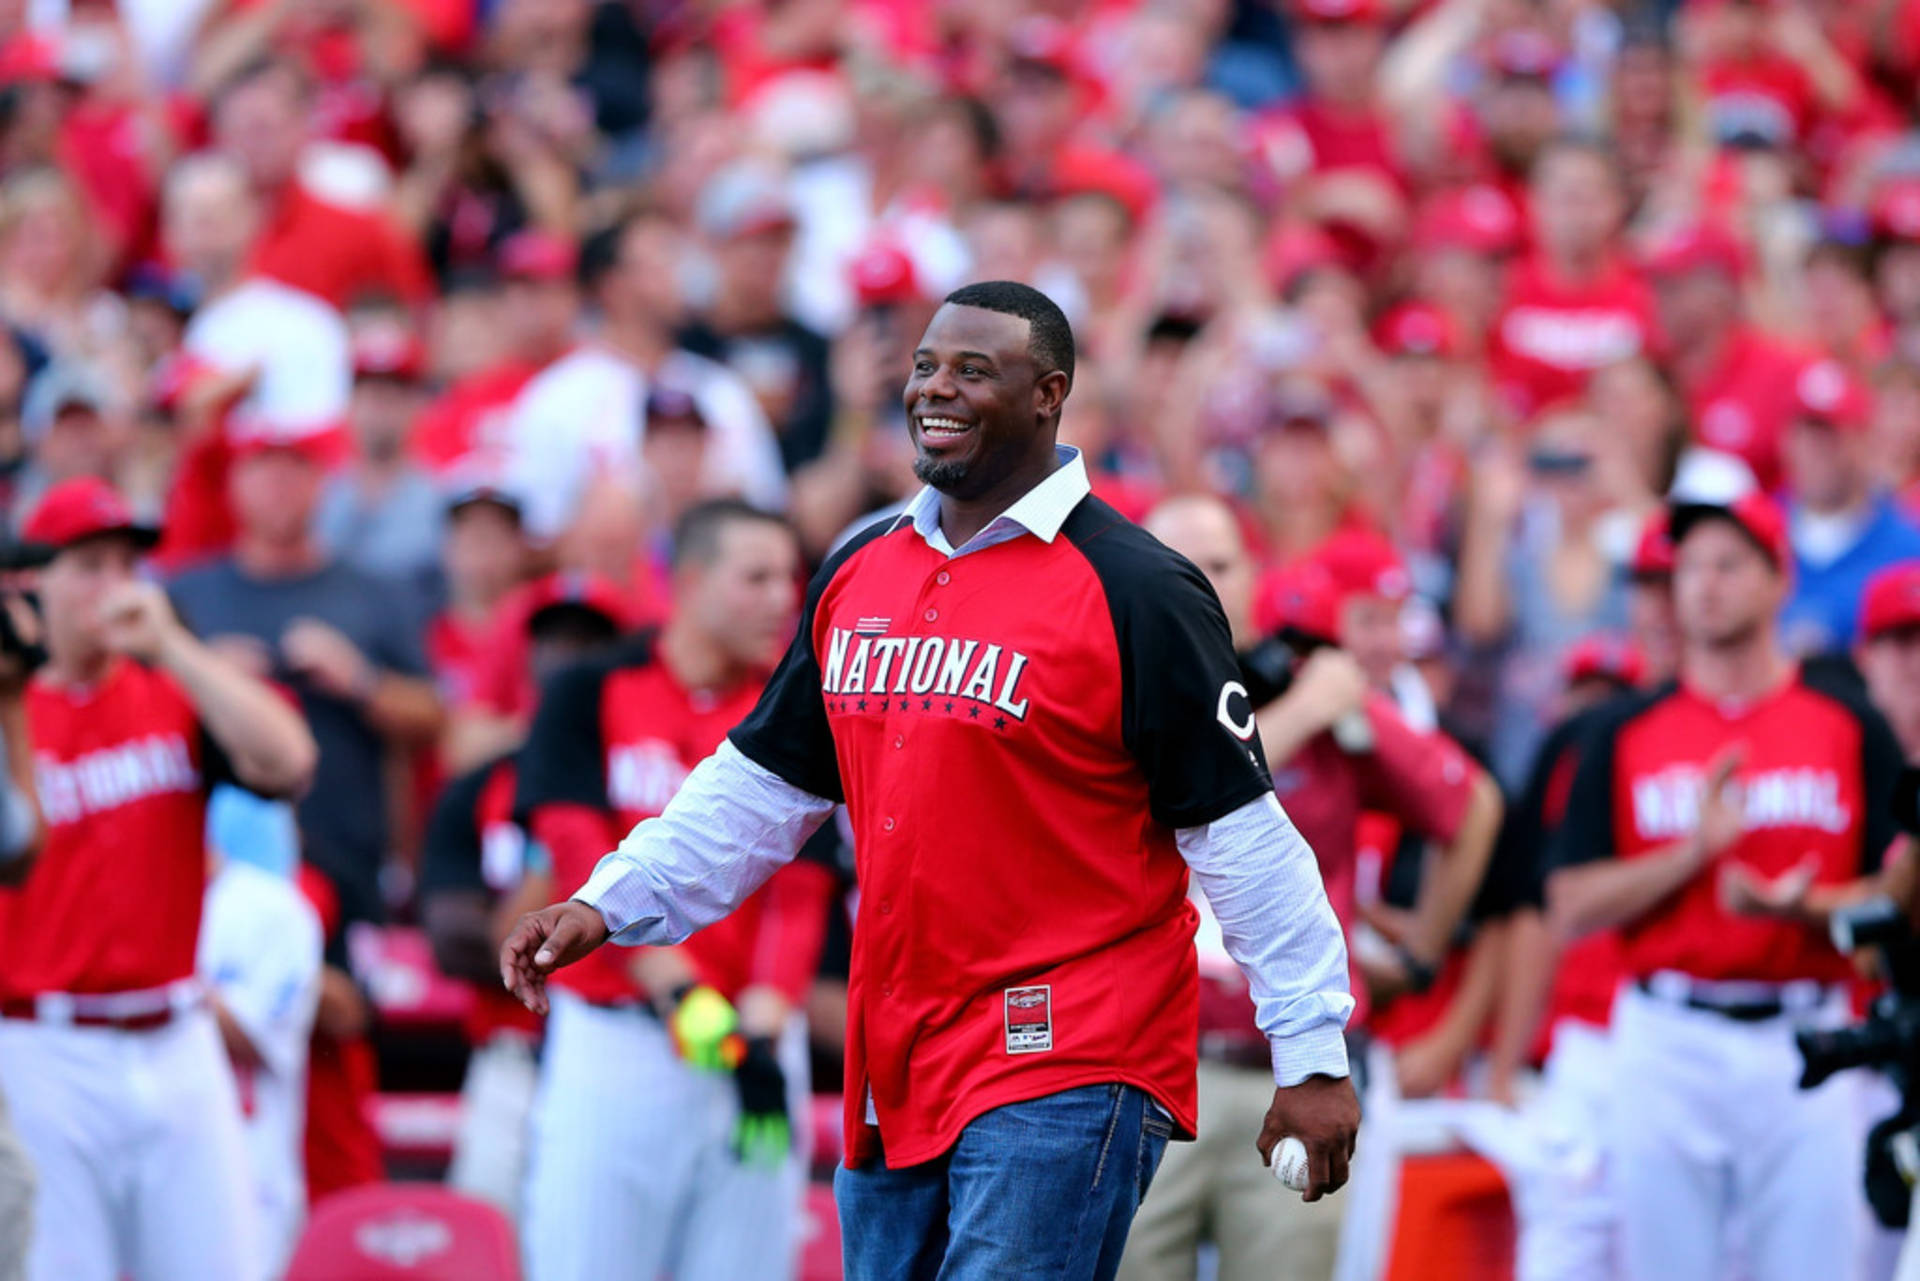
<point x="324" y="655"/>
<point x="1324" y="1114"/>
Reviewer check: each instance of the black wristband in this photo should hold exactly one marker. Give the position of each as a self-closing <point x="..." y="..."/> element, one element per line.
<point x="1420" y="974"/>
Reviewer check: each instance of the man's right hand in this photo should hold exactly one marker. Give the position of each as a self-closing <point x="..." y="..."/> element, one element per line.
<point x="1723" y="814"/>
<point x="544" y="941"/>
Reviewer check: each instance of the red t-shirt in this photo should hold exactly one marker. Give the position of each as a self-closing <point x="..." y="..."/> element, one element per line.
<point x="1018" y="734"/>
<point x="1817" y="778"/>
<point x="467" y="425"/>
<point x="113" y="905"/>
<point x="1552" y="334"/>
<point x="611" y="743"/>
<point x="338" y="253"/>
<point x="1746" y="401"/>
<point x="1308" y="137"/>
<point x="457" y="652"/>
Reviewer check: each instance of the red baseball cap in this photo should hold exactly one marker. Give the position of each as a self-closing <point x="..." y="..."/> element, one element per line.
<point x="388" y="351"/>
<point x="1046" y="42"/>
<point x="1331" y="11"/>
<point x="576" y="589"/>
<point x="1294" y="249"/>
<point x="539" y="256"/>
<point x="1701" y="246"/>
<point x="1653" y="554"/>
<point x="1481" y="219"/>
<point x="1362" y="562"/>
<point x="1756" y="515"/>
<point x="1896" y="208"/>
<point x="29" y="58"/>
<point x="1609" y="658"/>
<point x="1827" y="392"/>
<point x="883" y="275"/>
<point x="1302" y="598"/>
<point x="76" y="510"/>
<point x="322" y="448"/>
<point x="1891" y="601"/>
<point x="1417" y="329"/>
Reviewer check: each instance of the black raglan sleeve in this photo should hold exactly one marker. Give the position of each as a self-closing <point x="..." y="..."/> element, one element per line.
<point x="787" y="733"/>
<point x="1881" y="759"/>
<point x="1586" y="832"/>
<point x="564" y="760"/>
<point x="1185" y="715"/>
<point x="450" y="851"/>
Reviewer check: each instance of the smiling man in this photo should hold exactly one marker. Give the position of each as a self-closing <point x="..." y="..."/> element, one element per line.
<point x="1033" y="713"/>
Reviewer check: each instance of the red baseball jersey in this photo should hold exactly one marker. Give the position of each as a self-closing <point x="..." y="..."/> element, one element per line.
<point x="1817" y="779"/>
<point x="611" y="743"/>
<point x="1018" y="733"/>
<point x="1552" y="334"/>
<point x="123" y="769"/>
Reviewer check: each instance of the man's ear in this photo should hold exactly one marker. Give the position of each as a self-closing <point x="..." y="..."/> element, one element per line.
<point x="1050" y="393"/>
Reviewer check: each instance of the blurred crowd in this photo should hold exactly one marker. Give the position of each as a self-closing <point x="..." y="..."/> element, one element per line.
<point x="405" y="320"/>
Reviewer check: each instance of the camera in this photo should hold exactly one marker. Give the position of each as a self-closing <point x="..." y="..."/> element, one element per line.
<point x="1888" y="1039"/>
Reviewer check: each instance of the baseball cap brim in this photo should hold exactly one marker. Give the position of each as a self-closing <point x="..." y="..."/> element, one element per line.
<point x="1685" y="516"/>
<point x="28" y="554"/>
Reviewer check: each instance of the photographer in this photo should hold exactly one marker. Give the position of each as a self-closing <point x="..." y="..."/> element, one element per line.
<point x="1335" y="749"/>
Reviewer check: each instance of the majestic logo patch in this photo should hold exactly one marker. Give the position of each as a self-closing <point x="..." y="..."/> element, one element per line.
<point x="1029" y="1014"/>
<point x="935" y="667"/>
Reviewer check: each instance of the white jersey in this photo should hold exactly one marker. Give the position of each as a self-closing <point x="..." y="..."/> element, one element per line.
<point x="296" y="341"/>
<point x="583" y="416"/>
<point x="260" y="951"/>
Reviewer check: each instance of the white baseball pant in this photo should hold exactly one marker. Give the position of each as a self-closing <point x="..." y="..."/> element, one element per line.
<point x="1716" y="1156"/>
<point x="632" y="1177"/>
<point x="496" y="1105"/>
<point x="136" y="1139"/>
<point x="1567" y="1228"/>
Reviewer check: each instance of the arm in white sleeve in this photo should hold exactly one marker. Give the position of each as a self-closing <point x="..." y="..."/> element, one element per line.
<point x="731" y="825"/>
<point x="1265" y="888"/>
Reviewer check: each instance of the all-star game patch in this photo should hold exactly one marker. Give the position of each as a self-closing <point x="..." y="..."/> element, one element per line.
<point x="1029" y="1019"/>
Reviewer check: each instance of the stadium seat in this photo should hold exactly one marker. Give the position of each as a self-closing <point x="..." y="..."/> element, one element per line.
<point x="405" y="1232"/>
<point x="408" y="990"/>
<point x="820" y="1251"/>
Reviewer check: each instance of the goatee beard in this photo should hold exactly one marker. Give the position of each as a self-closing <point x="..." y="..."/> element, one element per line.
<point x="946" y="475"/>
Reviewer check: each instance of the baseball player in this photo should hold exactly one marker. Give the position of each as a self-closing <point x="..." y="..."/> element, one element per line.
<point x="475" y="855"/>
<point x="1710" y="821"/>
<point x="662" y="1125"/>
<point x="260" y="954"/>
<point x="1033" y="712"/>
<point x="1215" y="1189"/>
<point x="109" y="1055"/>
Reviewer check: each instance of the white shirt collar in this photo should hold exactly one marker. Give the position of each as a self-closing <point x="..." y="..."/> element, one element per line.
<point x="1041" y="511"/>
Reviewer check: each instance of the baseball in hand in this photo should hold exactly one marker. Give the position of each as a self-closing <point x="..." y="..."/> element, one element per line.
<point x="1290" y="1163"/>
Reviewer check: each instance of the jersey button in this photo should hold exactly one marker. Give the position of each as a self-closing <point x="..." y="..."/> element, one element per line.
<point x="886" y="908"/>
<point x="887" y="990"/>
<point x="943" y="578"/>
<point x="886" y="825"/>
<point x="932" y="614"/>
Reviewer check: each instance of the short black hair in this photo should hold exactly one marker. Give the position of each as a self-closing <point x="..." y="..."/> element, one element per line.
<point x="1050" y="337"/>
<point x="697" y="534"/>
<point x="600" y="248"/>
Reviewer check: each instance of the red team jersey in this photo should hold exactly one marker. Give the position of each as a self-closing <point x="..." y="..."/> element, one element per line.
<point x="1818" y="773"/>
<point x="113" y="905"/>
<point x="1017" y="733"/>
<point x="611" y="744"/>
<point x="1552" y="334"/>
<point x="1744" y="404"/>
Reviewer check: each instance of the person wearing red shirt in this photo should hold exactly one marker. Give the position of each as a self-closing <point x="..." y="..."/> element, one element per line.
<point x="1575" y="305"/>
<point x="110" y="1058"/>
<point x="463" y="432"/>
<point x="1738" y="382"/>
<point x="1337" y="124"/>
<point x="651" y="1146"/>
<point x="1034" y="714"/>
<point x="261" y="118"/>
<point x="1713" y="822"/>
<point x="1214" y="1190"/>
<point x="475" y="857"/>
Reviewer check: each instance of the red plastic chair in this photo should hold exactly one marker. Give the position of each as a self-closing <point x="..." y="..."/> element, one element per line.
<point x="405" y="1232"/>
<point x="820" y="1252"/>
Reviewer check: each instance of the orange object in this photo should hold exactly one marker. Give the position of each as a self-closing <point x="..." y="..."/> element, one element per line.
<point x="1455" y="1222"/>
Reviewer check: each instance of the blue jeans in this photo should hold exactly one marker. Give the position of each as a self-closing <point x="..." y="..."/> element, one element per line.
<point x="1045" y="1188"/>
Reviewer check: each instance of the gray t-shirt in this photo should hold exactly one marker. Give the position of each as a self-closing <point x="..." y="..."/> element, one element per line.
<point x="393" y="535"/>
<point x="343" y="819"/>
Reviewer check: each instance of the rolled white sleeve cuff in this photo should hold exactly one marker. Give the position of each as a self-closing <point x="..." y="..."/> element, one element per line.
<point x="732" y="825"/>
<point x="1317" y="1051"/>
